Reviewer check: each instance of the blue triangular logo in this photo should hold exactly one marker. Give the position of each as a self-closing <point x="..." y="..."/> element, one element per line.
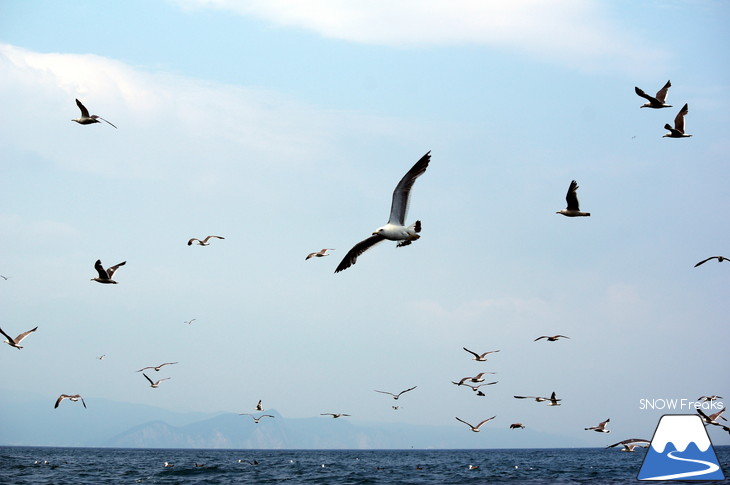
<point x="680" y="450"/>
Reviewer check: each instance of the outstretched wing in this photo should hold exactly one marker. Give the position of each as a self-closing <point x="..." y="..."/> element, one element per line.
<point x="572" y="197"/>
<point x="359" y="248"/>
<point x="84" y="111"/>
<point x="473" y="353"/>
<point x="146" y="377"/>
<point x="488" y="419"/>
<point x="384" y="392"/>
<point x="641" y="93"/>
<point x="401" y="194"/>
<point x="10" y="339"/>
<point x="24" y="334"/>
<point x="661" y="95"/>
<point x="102" y="119"/>
<point x="111" y="270"/>
<point x="100" y="269"/>
<point x="679" y="119"/>
<point x="407" y="390"/>
<point x="459" y="419"/>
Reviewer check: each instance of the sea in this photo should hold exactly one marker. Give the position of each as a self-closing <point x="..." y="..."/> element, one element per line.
<point x="45" y="465"/>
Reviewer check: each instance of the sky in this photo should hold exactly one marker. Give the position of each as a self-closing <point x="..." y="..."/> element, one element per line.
<point x="285" y="128"/>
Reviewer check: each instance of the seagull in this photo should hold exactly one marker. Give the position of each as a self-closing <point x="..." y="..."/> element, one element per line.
<point x="477" y="378"/>
<point x="714" y="397"/>
<point x="155" y="384"/>
<point x="101" y="357"/>
<point x="157" y="368"/>
<point x="255" y="419"/>
<point x="480" y="357"/>
<point x="74" y="398"/>
<point x="396" y="396"/>
<point x="334" y="415"/>
<point x="553" y="400"/>
<point x="4" y="277"/>
<point x="259" y="406"/>
<point x="15" y="342"/>
<point x="719" y="259"/>
<point x="318" y="254"/>
<point x="516" y="426"/>
<point x="85" y="119"/>
<point x="551" y="338"/>
<point x="678" y="130"/>
<point x="204" y="242"/>
<point x="712" y="418"/>
<point x="573" y="209"/>
<point x="657" y="101"/>
<point x="475" y="388"/>
<point x="190" y="321"/>
<point x="473" y="467"/>
<point x="630" y="444"/>
<point x="168" y="465"/>
<point x="601" y="428"/>
<point x="105" y="275"/>
<point x="394" y="230"/>
<point x="475" y="428"/>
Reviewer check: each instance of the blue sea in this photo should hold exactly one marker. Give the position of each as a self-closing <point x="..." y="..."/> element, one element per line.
<point x="40" y="465"/>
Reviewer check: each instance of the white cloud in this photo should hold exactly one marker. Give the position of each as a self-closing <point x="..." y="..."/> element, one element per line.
<point x="578" y="33"/>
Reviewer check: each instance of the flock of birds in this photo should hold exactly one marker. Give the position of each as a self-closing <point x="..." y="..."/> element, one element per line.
<point x="396" y="230"/>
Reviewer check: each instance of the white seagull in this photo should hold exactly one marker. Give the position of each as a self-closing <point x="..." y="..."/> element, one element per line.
<point x="573" y="209"/>
<point x="631" y="444"/>
<point x="158" y="367"/>
<point x="480" y="357"/>
<point x="204" y="242"/>
<point x="395" y="229"/>
<point x="255" y="419"/>
<point x="551" y="338"/>
<point x="74" y="398"/>
<point x="395" y="396"/>
<point x="678" y="130"/>
<point x="319" y="254"/>
<point x="87" y="119"/>
<point x="105" y="275"/>
<point x="154" y="384"/>
<point x="334" y="415"/>
<point x="553" y="400"/>
<point x="600" y="428"/>
<point x="658" y="101"/>
<point x="719" y="259"/>
<point x="712" y="418"/>
<point x="15" y="342"/>
<point x="476" y="379"/>
<point x="259" y="406"/>
<point x="475" y="428"/>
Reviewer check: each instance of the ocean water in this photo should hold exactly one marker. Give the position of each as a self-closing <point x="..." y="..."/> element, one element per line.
<point x="38" y="465"/>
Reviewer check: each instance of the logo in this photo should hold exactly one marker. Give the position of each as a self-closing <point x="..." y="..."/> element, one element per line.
<point x="680" y="450"/>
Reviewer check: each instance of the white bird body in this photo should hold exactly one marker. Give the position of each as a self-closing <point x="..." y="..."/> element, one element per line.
<point x="86" y="118"/>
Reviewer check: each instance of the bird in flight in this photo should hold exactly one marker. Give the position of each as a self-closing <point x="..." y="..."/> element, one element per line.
<point x="475" y="428"/>
<point x="658" y="101"/>
<point x="396" y="396"/>
<point x="155" y="384"/>
<point x="334" y="415"/>
<point x="157" y="368"/>
<point x="74" y="398"/>
<point x="259" y="406"/>
<point x="631" y="444"/>
<point x="204" y="242"/>
<point x="553" y="400"/>
<point x="600" y="428"/>
<point x="319" y="254"/>
<point x="105" y="275"/>
<point x="395" y="229"/>
<point x="678" y="130"/>
<point x="714" y="397"/>
<point x="15" y="342"/>
<point x="719" y="259"/>
<point x="480" y="357"/>
<point x="87" y="119"/>
<point x="552" y="338"/>
<point x="516" y="426"/>
<point x="255" y="419"/>
<point x="573" y="209"/>
<point x="476" y="379"/>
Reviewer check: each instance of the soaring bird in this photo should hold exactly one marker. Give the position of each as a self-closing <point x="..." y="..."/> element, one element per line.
<point x="255" y="419"/>
<point x="475" y="428"/>
<point x="334" y="415"/>
<point x="476" y="379"/>
<point x="396" y="396"/>
<point x="516" y="426"/>
<point x="395" y="229"/>
<point x="600" y="428"/>
<point x="552" y="338"/>
<point x="15" y="342"/>
<point x="475" y="388"/>
<point x="259" y="406"/>
<point x="204" y="242"/>
<point x="157" y="368"/>
<point x="631" y="444"/>
<point x="657" y="101"/>
<point x="573" y="209"/>
<point x="553" y="400"/>
<point x="74" y="398"/>
<point x="714" y="397"/>
<point x="480" y="357"/>
<point x="105" y="275"/>
<point x="87" y="119"/>
<point x="319" y="254"/>
<point x="155" y="384"/>
<point x="678" y="130"/>
<point x="712" y="418"/>
<point x="719" y="259"/>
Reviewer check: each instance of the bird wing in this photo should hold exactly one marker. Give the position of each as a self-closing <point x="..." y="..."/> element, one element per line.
<point x="401" y="194"/>
<point x="10" y="339"/>
<point x="564" y="336"/>
<point x="190" y="242"/>
<point x="527" y="397"/>
<point x="703" y="262"/>
<point x="208" y="238"/>
<point x="538" y="338"/>
<point x="641" y="93"/>
<point x="679" y="119"/>
<point x="459" y="419"/>
<point x="146" y="377"/>
<point x="58" y="401"/>
<point x="84" y="111"/>
<point x="112" y="269"/>
<point x="167" y="363"/>
<point x="410" y="389"/>
<point x="100" y="269"/>
<point x="473" y="353"/>
<point x="384" y="392"/>
<point x="24" y="334"/>
<point x="83" y="402"/>
<point x="661" y="95"/>
<point x="359" y="248"/>
<point x="572" y="197"/>
<point x="553" y="398"/>
<point x="628" y="441"/>
<point x="102" y="119"/>
<point x="488" y="419"/>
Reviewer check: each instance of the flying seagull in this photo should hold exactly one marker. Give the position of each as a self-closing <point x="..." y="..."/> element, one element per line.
<point x="105" y="275"/>
<point x="516" y="426"/>
<point x="87" y="119"/>
<point x="395" y="229"/>
<point x="4" y="277"/>
<point x="600" y="428"/>
<point x="657" y="101"/>
<point x="573" y="209"/>
<point x="157" y="368"/>
<point x="255" y="419"/>
<point x="395" y="396"/>
<point x="714" y="397"/>
<point x="15" y="342"/>
<point x="475" y="428"/>
<point x="712" y="418"/>
<point x="553" y="400"/>
<point x="334" y="415"/>
<point x="259" y="406"/>
<point x="157" y="383"/>
<point x="190" y="321"/>
<point x="552" y="338"/>
<point x="477" y="378"/>
<point x="630" y="444"/>
<point x="719" y="259"/>
<point x="475" y="388"/>
<point x="678" y="130"/>
<point x="204" y="242"/>
<point x="74" y="398"/>
<point x="480" y="357"/>
<point x="101" y="357"/>
<point x="318" y="254"/>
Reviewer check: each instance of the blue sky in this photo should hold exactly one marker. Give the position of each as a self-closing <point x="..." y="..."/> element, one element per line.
<point x="285" y="130"/>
